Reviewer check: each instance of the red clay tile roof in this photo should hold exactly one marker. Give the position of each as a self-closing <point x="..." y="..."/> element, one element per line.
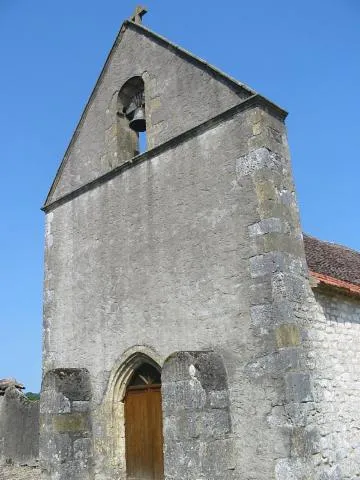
<point x="333" y="264"/>
<point x="347" y="287"/>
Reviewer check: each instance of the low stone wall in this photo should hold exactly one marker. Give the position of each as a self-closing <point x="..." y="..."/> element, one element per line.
<point x="19" y="429"/>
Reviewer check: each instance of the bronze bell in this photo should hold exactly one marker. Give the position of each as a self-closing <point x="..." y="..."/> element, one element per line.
<point x="138" y="121"/>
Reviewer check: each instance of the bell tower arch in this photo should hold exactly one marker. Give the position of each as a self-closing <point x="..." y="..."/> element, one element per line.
<point x="132" y="115"/>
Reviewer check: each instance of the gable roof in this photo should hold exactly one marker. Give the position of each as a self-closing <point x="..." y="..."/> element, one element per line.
<point x="128" y="24"/>
<point x="333" y="264"/>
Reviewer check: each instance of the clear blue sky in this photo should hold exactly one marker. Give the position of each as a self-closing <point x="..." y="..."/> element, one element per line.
<point x="304" y="55"/>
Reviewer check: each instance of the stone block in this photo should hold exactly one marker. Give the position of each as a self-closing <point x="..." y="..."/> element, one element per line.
<point x="298" y="387"/>
<point x="288" y="336"/>
<point x="70" y="422"/>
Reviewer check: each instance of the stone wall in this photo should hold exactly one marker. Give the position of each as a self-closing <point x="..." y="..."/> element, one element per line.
<point x="336" y="366"/>
<point x="19" y="429"/>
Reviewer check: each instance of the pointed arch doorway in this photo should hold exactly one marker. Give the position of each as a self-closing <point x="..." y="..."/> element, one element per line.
<point x="143" y="425"/>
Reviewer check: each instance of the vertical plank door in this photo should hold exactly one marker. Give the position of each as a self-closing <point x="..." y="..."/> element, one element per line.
<point x="143" y="434"/>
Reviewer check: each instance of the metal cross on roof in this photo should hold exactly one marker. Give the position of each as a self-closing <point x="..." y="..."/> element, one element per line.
<point x="138" y="14"/>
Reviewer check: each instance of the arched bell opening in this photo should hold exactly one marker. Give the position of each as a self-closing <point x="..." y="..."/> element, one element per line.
<point x="132" y="111"/>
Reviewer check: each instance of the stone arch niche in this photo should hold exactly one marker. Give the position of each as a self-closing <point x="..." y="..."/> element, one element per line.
<point x="198" y="437"/>
<point x="114" y="405"/>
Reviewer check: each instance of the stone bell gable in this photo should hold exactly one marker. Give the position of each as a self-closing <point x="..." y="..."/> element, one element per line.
<point x="181" y="92"/>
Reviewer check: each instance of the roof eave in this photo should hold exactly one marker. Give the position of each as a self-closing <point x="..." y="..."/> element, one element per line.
<point x="342" y="286"/>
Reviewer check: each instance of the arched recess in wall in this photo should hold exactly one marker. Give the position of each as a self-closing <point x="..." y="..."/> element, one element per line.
<point x="134" y="396"/>
<point x="132" y="117"/>
<point x="195" y="390"/>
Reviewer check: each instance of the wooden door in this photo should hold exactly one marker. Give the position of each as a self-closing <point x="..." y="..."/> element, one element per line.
<point x="143" y="433"/>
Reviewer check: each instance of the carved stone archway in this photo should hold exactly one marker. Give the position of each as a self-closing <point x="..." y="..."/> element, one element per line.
<point x="114" y="413"/>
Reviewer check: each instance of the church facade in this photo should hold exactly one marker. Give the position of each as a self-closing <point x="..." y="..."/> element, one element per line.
<point x="187" y="334"/>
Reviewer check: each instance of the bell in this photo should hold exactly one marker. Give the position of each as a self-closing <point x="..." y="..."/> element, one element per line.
<point x="138" y="121"/>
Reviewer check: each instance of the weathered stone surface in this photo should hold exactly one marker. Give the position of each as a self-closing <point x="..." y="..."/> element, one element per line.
<point x="19" y="473"/>
<point x="198" y="431"/>
<point x="19" y="429"/>
<point x="298" y="387"/>
<point x="66" y="432"/>
<point x="288" y="336"/>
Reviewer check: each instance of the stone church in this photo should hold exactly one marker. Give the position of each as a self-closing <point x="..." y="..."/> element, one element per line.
<point x="190" y="330"/>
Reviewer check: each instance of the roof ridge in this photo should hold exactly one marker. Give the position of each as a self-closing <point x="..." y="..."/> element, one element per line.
<point x="333" y="244"/>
